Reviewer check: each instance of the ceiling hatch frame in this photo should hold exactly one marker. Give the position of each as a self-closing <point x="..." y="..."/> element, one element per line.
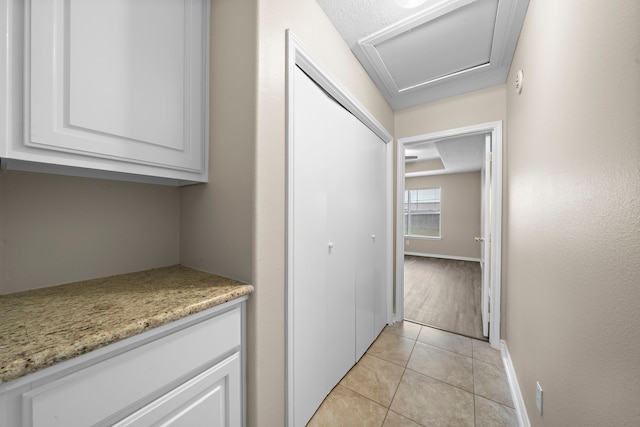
<point x="508" y="22"/>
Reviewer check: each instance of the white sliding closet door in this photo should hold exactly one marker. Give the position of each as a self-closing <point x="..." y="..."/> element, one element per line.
<point x="337" y="208"/>
<point x="309" y="269"/>
<point x="339" y="130"/>
<point x="381" y="240"/>
<point x="365" y="226"/>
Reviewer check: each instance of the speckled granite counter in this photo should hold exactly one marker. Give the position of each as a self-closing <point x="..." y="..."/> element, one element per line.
<point x="45" y="326"/>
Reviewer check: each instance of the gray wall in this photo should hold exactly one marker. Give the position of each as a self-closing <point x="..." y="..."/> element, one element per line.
<point x="56" y="229"/>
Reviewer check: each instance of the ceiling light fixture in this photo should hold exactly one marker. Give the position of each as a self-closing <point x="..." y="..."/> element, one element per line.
<point x="409" y="4"/>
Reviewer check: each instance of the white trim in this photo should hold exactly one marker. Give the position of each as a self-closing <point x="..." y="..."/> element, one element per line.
<point x="415" y="237"/>
<point x="516" y="394"/>
<point x="389" y="151"/>
<point x="495" y="129"/>
<point x="301" y="57"/>
<point x="298" y="56"/>
<point x="496" y="236"/>
<point x="399" y="262"/>
<point x="454" y="257"/>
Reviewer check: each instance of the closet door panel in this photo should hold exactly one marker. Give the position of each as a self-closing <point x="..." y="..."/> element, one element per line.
<point x="341" y="272"/>
<point x="366" y="213"/>
<point x="381" y="240"/>
<point x="309" y="269"/>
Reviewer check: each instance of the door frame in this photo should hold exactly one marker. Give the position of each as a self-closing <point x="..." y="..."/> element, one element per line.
<point x="298" y="56"/>
<point x="495" y="129"/>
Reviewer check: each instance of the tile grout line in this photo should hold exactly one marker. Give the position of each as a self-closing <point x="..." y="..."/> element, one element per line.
<point x="475" y="354"/>
<point x="415" y="341"/>
<point x="368" y="398"/>
<point x="405" y="368"/>
<point x="452" y="353"/>
<point x="443" y="382"/>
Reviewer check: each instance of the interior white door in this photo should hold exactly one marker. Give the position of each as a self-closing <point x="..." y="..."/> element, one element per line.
<point x="485" y="249"/>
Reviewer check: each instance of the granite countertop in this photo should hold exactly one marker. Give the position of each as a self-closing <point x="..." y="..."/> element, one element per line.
<point x="42" y="327"/>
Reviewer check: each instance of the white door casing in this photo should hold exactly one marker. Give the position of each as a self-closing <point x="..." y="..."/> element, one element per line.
<point x="485" y="243"/>
<point x="495" y="243"/>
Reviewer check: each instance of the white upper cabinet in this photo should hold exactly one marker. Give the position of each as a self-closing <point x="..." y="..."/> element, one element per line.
<point x="111" y="87"/>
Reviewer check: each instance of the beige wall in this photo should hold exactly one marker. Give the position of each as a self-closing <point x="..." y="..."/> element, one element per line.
<point x="573" y="229"/>
<point x="56" y="229"/>
<point x="459" y="215"/>
<point x="487" y="105"/>
<point x="217" y="217"/>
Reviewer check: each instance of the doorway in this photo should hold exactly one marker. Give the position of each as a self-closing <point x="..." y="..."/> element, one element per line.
<point x="490" y="237"/>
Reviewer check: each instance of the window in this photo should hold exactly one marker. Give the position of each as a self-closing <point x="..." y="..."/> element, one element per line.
<point x="422" y="212"/>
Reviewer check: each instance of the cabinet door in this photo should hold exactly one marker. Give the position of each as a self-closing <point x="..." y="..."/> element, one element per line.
<point x="117" y="85"/>
<point x="211" y="399"/>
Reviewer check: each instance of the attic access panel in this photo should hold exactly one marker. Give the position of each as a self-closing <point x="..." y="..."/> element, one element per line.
<point x="447" y="44"/>
<point x="447" y="48"/>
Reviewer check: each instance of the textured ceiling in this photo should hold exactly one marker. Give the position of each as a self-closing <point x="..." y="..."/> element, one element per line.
<point x="440" y="49"/>
<point x="356" y="19"/>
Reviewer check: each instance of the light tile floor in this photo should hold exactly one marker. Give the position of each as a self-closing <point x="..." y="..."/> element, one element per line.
<point x="414" y="376"/>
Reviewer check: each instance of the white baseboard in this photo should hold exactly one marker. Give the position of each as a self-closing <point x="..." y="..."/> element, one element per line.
<point x="516" y="395"/>
<point x="458" y="258"/>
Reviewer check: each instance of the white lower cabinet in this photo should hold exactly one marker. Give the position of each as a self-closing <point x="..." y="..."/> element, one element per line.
<point x="188" y="373"/>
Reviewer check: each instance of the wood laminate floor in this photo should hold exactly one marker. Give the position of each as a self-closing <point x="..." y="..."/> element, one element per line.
<point x="443" y="293"/>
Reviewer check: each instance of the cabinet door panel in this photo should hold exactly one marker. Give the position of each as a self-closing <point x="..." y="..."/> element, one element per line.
<point x="118" y="45"/>
<point x="115" y="79"/>
<point x="210" y="399"/>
